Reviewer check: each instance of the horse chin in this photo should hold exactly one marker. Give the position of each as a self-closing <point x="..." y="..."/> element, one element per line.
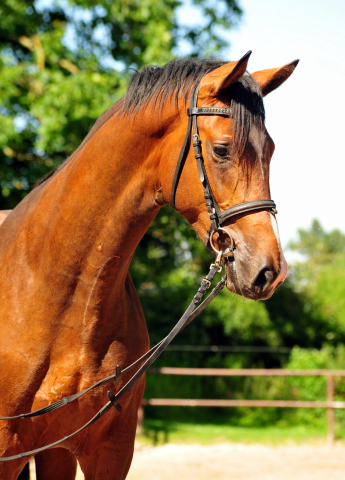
<point x="235" y="284"/>
<point x="232" y="281"/>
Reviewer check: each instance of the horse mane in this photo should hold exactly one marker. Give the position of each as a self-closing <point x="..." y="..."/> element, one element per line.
<point x="173" y="82"/>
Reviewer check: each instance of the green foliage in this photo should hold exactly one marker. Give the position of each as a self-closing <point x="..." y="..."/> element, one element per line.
<point x="64" y="63"/>
<point x="329" y="288"/>
<point x="304" y="315"/>
<point x="260" y="388"/>
<point x="315" y="388"/>
<point x="317" y="244"/>
<point x="321" y="279"/>
<point x="308" y="313"/>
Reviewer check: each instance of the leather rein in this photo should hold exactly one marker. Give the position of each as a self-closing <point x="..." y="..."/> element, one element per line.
<point x="217" y="218"/>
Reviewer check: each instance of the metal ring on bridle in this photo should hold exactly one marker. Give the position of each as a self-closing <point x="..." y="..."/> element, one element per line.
<point x="229" y="249"/>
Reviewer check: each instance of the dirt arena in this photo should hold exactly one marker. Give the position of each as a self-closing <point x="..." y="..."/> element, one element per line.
<point x="228" y="461"/>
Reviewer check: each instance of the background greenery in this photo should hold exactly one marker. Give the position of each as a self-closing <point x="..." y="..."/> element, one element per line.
<point x="64" y="63"/>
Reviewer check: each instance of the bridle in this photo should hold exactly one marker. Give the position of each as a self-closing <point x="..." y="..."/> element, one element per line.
<point x="217" y="218"/>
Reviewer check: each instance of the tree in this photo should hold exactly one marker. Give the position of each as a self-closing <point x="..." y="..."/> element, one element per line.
<point x="321" y="278"/>
<point x="317" y="244"/>
<point x="63" y="64"/>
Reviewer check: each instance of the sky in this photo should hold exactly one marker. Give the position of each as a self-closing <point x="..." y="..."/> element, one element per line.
<point x="306" y="115"/>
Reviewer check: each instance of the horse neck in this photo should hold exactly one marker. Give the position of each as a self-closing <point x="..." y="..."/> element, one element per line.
<point x="75" y="234"/>
<point x="72" y="240"/>
<point x="104" y="198"/>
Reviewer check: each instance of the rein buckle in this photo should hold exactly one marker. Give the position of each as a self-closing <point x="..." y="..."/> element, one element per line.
<point x="217" y="262"/>
<point x="228" y="252"/>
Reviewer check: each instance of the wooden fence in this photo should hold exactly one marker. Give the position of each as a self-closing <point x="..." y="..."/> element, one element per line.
<point x="330" y="404"/>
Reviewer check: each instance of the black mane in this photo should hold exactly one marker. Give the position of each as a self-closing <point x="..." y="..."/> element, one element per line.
<point x="173" y="82"/>
<point x="162" y="83"/>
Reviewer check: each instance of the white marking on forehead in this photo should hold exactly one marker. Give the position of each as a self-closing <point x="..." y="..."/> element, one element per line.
<point x="226" y="135"/>
<point x="276" y="232"/>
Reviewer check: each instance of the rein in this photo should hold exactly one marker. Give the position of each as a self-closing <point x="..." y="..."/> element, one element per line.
<point x="148" y="358"/>
<point x="217" y="218"/>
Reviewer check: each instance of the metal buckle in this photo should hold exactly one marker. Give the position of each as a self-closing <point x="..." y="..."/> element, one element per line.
<point x="217" y="262"/>
<point x="228" y="252"/>
<point x="206" y="281"/>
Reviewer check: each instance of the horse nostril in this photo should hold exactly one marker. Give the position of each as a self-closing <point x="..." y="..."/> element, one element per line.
<point x="265" y="277"/>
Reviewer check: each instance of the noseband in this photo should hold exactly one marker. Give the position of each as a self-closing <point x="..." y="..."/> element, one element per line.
<point x="217" y="216"/>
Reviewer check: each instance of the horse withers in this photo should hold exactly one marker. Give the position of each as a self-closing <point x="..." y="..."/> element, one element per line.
<point x="69" y="311"/>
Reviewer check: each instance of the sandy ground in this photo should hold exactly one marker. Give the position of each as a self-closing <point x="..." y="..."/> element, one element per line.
<point x="237" y="462"/>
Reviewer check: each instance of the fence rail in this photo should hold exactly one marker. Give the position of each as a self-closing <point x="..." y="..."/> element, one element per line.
<point x="330" y="404"/>
<point x="252" y="372"/>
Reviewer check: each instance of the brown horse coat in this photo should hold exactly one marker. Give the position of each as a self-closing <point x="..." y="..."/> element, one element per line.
<point x="3" y="215"/>
<point x="69" y="312"/>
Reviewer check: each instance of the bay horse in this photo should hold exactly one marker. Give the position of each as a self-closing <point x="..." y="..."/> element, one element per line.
<point x="3" y="215"/>
<point x="69" y="311"/>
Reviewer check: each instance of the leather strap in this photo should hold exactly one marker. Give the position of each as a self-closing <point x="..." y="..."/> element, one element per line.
<point x="182" y="157"/>
<point x="209" y="111"/>
<point x="217" y="216"/>
<point x="247" y="207"/>
<point x="148" y="358"/>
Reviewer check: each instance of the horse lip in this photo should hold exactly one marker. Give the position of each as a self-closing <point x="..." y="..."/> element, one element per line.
<point x="234" y="285"/>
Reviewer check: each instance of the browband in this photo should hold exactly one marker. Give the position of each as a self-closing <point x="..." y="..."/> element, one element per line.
<point x="208" y="111"/>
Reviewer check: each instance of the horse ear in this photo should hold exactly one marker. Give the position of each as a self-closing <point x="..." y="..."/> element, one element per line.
<point x="220" y="79"/>
<point x="271" y="79"/>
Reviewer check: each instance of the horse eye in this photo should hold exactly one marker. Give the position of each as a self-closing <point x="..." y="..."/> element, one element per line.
<point x="221" y="151"/>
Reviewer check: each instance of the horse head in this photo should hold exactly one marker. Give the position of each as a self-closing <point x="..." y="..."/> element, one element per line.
<point x="236" y="153"/>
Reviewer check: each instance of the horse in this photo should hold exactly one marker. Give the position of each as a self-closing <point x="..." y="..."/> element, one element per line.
<point x="69" y="311"/>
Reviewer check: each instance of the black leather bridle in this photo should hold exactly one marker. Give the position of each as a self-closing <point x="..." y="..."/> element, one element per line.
<point x="217" y="216"/>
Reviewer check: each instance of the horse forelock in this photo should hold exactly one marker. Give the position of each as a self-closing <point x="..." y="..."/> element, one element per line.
<point x="248" y="112"/>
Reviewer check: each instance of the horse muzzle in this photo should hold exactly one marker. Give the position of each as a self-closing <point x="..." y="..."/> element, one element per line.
<point x="257" y="279"/>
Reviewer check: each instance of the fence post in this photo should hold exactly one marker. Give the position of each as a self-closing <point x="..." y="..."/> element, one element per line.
<point x="330" y="411"/>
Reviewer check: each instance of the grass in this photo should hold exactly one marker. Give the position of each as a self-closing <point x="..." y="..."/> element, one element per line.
<point x="158" y="432"/>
